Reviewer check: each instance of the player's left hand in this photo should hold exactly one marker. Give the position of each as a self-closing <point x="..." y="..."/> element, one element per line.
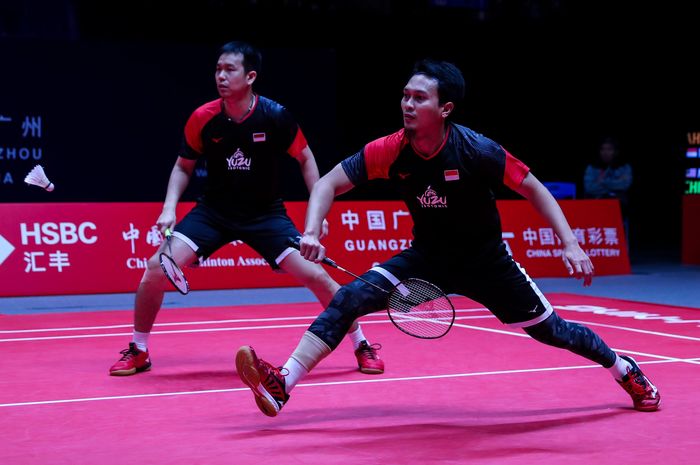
<point x="578" y="264"/>
<point x="324" y="229"/>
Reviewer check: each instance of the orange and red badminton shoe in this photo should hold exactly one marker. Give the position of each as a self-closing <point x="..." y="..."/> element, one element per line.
<point x="645" y="396"/>
<point x="368" y="360"/>
<point x="266" y="381"/>
<point x="132" y="361"/>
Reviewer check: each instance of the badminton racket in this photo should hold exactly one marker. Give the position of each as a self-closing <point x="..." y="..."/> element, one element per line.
<point x="170" y="268"/>
<point x="416" y="307"/>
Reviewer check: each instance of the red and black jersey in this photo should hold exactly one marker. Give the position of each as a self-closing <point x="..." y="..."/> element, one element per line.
<point x="449" y="193"/>
<point x="243" y="158"/>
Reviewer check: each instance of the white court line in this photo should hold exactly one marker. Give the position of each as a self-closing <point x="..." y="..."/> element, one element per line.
<point x="207" y="330"/>
<point x="187" y="323"/>
<point x="510" y="333"/>
<point x="204" y="330"/>
<point x="635" y="330"/>
<point x="330" y="383"/>
<point x="624" y="328"/>
<point x="252" y="320"/>
<point x="643" y="331"/>
<point x="242" y="328"/>
<point x="179" y="323"/>
<point x="376" y="314"/>
<point x="692" y="361"/>
<point x="488" y="330"/>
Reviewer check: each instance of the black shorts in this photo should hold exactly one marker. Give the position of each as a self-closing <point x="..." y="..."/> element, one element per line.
<point x="206" y="231"/>
<point x="500" y="284"/>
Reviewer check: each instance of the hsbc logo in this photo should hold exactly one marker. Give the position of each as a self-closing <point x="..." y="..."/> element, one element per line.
<point x="58" y="233"/>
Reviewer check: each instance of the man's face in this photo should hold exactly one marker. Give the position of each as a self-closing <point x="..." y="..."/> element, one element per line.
<point x="607" y="152"/>
<point x="231" y="78"/>
<point x="420" y="104"/>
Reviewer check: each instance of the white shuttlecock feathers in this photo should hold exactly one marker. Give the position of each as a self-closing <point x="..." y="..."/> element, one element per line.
<point x="37" y="177"/>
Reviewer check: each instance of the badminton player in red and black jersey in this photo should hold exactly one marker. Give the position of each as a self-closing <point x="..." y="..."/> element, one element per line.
<point x="243" y="137"/>
<point x="446" y="174"/>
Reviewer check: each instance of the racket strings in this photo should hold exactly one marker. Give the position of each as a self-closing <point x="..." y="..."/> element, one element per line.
<point x="174" y="273"/>
<point x="421" y="309"/>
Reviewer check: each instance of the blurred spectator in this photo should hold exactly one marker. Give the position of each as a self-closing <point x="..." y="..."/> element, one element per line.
<point x="609" y="176"/>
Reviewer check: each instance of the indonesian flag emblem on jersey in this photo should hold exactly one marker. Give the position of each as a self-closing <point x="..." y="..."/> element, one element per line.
<point x="451" y="175"/>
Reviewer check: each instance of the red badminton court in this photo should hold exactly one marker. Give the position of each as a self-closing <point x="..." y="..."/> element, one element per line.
<point x="482" y="394"/>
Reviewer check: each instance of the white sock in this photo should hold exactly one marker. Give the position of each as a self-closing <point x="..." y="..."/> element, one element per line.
<point x="296" y="372"/>
<point x="357" y="337"/>
<point x="141" y="340"/>
<point x="619" y="368"/>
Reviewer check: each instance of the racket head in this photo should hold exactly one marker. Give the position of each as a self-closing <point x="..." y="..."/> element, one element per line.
<point x="420" y="309"/>
<point x="174" y="274"/>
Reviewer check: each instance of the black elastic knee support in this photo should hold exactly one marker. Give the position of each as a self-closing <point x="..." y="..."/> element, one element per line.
<point x="557" y="332"/>
<point x="349" y="303"/>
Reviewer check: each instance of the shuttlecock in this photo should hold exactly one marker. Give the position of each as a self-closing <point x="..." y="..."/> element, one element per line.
<point x="37" y="177"/>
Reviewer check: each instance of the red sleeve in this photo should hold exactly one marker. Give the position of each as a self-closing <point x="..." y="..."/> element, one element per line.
<point x="200" y="117"/>
<point x="298" y="144"/>
<point x="193" y="131"/>
<point x="515" y="171"/>
<point x="381" y="153"/>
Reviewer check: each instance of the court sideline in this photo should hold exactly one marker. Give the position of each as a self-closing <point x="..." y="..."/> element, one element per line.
<point x="660" y="282"/>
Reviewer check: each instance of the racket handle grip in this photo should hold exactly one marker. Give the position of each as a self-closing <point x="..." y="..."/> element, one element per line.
<point x="168" y="232"/>
<point x="295" y="243"/>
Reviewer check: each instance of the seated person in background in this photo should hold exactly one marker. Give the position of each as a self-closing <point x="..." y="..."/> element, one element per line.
<point x="608" y="176"/>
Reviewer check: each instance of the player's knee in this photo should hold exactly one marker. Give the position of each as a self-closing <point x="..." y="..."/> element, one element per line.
<point x="335" y="321"/>
<point x="360" y="297"/>
<point x="317" y="277"/>
<point x="348" y="304"/>
<point x="153" y="275"/>
<point x="153" y="263"/>
<point x="552" y="331"/>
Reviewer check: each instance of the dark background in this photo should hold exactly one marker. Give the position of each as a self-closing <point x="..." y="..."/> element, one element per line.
<point x="116" y="81"/>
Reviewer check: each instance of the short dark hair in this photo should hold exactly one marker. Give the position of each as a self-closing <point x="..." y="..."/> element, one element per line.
<point x="252" y="58"/>
<point x="450" y="81"/>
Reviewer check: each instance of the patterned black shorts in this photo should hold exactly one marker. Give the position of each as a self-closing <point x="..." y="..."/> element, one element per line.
<point x="206" y="231"/>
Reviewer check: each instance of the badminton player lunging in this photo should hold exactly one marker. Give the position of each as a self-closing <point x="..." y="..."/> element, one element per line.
<point x="243" y="137"/>
<point x="445" y="174"/>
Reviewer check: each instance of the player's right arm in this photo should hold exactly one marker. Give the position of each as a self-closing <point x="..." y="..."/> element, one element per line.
<point x="179" y="179"/>
<point x="372" y="162"/>
<point x="192" y="150"/>
<point x="333" y="184"/>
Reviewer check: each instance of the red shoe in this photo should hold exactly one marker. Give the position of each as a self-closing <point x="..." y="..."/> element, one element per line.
<point x="133" y="361"/>
<point x="266" y="381"/>
<point x="645" y="396"/>
<point x="368" y="360"/>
